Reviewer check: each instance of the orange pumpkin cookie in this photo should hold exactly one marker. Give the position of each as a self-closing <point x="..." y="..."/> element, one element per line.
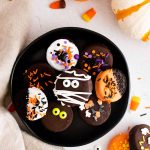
<point x="119" y="142"/>
<point x="110" y="85"/>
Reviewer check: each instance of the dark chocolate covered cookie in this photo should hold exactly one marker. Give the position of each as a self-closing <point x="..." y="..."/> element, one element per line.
<point x="58" y="117"/>
<point x="73" y="87"/>
<point x="95" y="58"/>
<point x="40" y="75"/>
<point x="139" y="137"/>
<point x="95" y="112"/>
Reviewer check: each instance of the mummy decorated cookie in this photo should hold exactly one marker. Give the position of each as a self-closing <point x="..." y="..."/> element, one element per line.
<point x="95" y="112"/>
<point x="96" y="58"/>
<point x="37" y="104"/>
<point x="139" y="137"/>
<point x="62" y="54"/>
<point x="41" y="76"/>
<point x="110" y="85"/>
<point x="73" y="87"/>
<point x="58" y="117"/>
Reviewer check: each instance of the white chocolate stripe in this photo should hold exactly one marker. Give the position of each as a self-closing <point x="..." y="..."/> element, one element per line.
<point x="78" y="75"/>
<point x="72" y="78"/>
<point x="69" y="94"/>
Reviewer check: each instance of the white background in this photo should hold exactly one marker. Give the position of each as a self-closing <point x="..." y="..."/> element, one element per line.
<point x="137" y="53"/>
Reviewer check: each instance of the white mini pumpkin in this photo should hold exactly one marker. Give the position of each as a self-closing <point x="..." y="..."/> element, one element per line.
<point x="134" y="17"/>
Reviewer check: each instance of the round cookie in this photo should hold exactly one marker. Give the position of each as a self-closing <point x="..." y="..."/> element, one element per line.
<point x="139" y="137"/>
<point x="110" y="85"/>
<point x="73" y="87"/>
<point x="119" y="142"/>
<point x="62" y="54"/>
<point x="96" y="58"/>
<point x="58" y="117"/>
<point x="95" y="112"/>
<point x="40" y="75"/>
<point x="37" y="104"/>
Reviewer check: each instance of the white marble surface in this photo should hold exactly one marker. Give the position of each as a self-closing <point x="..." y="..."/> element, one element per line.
<point x="136" y="52"/>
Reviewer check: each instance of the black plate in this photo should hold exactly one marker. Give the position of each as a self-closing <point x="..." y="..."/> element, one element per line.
<point x="79" y="132"/>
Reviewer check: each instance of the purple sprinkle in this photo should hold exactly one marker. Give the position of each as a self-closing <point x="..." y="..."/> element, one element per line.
<point x="76" y="56"/>
<point x="66" y="67"/>
<point x="65" y="42"/>
<point x="99" y="60"/>
<point x="105" y="65"/>
<point x="107" y="55"/>
<point x="57" y="62"/>
<point x="86" y="53"/>
<point x="90" y="56"/>
<point x="99" y="70"/>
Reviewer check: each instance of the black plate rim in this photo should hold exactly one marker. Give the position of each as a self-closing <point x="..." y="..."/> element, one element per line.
<point x="21" y="53"/>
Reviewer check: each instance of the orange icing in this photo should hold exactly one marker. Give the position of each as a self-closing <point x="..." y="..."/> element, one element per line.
<point x="146" y="36"/>
<point x="121" y="14"/>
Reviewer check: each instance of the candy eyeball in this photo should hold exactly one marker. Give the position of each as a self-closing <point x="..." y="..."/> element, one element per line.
<point x="75" y="84"/>
<point x="56" y="111"/>
<point x="66" y="83"/>
<point x="63" y="115"/>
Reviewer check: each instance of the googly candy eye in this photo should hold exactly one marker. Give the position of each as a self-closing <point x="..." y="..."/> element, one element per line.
<point x="63" y="115"/>
<point x="56" y="111"/>
<point x="75" y="84"/>
<point x="66" y="83"/>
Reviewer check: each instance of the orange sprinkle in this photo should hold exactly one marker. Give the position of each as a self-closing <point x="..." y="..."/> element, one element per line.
<point x="35" y="72"/>
<point x="85" y="65"/>
<point x="50" y="82"/>
<point x="86" y="106"/>
<point x="59" y="4"/>
<point x="89" y="14"/>
<point x="42" y="75"/>
<point x="93" y="51"/>
<point x="85" y="56"/>
<point x="47" y="74"/>
<point x="46" y="84"/>
<point x="31" y="74"/>
<point x="89" y="68"/>
<point x="94" y="73"/>
<point x="95" y="67"/>
<point x="91" y="104"/>
<point x="34" y="80"/>
<point x="86" y="70"/>
<point x="98" y="114"/>
<point x="30" y="78"/>
<point x="121" y="14"/>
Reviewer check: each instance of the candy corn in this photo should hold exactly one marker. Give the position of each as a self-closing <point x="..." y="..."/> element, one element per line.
<point x="88" y="15"/>
<point x="135" y="101"/>
<point x="59" y="4"/>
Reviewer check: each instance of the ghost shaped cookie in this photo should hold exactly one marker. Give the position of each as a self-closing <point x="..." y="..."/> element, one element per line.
<point x="62" y="54"/>
<point x="73" y="87"/>
<point x="58" y="117"/>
